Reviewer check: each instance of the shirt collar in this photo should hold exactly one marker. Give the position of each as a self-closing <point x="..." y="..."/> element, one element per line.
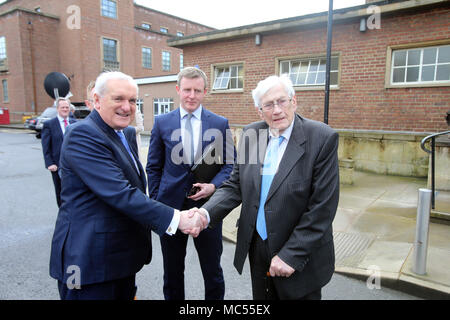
<point x="286" y="134"/>
<point x="197" y="113"/>
<point x="61" y="119"/>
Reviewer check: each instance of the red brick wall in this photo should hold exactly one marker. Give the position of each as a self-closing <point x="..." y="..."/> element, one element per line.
<point x="15" y="28"/>
<point x="362" y="102"/>
<point x="77" y="52"/>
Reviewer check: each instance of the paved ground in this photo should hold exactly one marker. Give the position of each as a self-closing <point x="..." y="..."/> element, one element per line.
<point x="27" y="217"/>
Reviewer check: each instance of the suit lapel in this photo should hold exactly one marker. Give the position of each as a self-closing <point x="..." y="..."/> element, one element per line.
<point x="125" y="161"/>
<point x="257" y="153"/>
<point x="294" y="151"/>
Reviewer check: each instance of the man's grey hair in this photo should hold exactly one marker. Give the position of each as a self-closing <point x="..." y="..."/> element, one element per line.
<point x="270" y="82"/>
<point x="192" y="73"/>
<point x="57" y="101"/>
<point x="104" y="77"/>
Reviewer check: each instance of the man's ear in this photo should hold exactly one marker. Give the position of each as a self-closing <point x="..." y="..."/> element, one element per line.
<point x="260" y="113"/>
<point x="96" y="101"/>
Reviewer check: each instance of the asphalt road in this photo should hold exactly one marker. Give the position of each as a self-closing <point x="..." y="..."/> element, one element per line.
<point x="27" y="216"/>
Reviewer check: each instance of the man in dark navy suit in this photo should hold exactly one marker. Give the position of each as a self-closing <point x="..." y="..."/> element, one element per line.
<point x="102" y="233"/>
<point x="52" y="139"/>
<point x="170" y="179"/>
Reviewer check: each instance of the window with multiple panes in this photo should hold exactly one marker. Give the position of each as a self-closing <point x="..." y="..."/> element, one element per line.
<point x="311" y="71"/>
<point x="166" y="57"/>
<point x="228" y="77"/>
<point x="162" y="106"/>
<point x="146" y="26"/>
<point x="109" y="9"/>
<point x="2" y="48"/>
<point x="421" y="65"/>
<point x="5" y="90"/>
<point x="140" y="106"/>
<point x="147" y="58"/>
<point x="164" y="30"/>
<point x="110" y="60"/>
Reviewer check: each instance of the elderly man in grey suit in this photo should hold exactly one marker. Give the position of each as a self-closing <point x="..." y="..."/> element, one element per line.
<point x="286" y="176"/>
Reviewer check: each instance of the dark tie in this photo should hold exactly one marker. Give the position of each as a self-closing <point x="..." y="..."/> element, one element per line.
<point x="125" y="143"/>
<point x="189" y="142"/>
<point x="268" y="171"/>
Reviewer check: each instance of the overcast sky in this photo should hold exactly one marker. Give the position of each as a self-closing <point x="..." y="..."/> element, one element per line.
<point x="233" y="13"/>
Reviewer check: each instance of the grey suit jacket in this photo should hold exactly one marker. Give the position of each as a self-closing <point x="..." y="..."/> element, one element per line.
<point x="300" y="206"/>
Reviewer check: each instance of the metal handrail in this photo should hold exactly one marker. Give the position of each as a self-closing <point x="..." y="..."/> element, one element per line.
<point x="432" y="152"/>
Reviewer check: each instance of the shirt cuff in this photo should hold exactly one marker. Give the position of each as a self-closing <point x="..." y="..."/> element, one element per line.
<point x="206" y="213"/>
<point x="173" y="226"/>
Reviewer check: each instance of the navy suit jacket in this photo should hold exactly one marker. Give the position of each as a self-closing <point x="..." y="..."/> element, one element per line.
<point x="52" y="139"/>
<point x="103" y="225"/>
<point x="168" y="181"/>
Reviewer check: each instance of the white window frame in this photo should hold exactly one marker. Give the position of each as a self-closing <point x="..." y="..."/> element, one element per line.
<point x="147" y="54"/>
<point x="181" y="61"/>
<point x="223" y="80"/>
<point x="307" y="70"/>
<point x="166" y="61"/>
<point x="162" y="106"/>
<point x="105" y="11"/>
<point x="3" y="54"/>
<point x="5" y="90"/>
<point x="110" y="64"/>
<point x="388" y="82"/>
<point x="420" y="66"/>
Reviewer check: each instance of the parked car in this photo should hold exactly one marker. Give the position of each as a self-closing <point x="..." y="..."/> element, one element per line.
<point x="30" y="123"/>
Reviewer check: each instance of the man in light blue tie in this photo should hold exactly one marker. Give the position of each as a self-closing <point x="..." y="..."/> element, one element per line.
<point x="286" y="178"/>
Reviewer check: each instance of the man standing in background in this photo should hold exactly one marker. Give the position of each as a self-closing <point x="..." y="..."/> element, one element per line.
<point x="52" y="138"/>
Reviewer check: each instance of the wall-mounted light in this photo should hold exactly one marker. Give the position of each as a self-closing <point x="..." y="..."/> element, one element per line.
<point x="362" y="25"/>
<point x="258" y="39"/>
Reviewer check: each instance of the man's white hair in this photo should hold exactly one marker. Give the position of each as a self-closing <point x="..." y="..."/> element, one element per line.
<point x="270" y="82"/>
<point x="104" y="77"/>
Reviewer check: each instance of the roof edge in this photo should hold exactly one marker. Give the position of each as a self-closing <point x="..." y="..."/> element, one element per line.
<point x="47" y="15"/>
<point x="387" y="6"/>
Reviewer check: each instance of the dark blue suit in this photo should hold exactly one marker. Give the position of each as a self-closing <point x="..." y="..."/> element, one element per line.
<point x="52" y="139"/>
<point x="169" y="182"/>
<point x="103" y="225"/>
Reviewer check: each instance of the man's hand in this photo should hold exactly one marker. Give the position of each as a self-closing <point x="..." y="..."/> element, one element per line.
<point x="206" y="189"/>
<point x="53" y="168"/>
<point x="279" y="268"/>
<point x="192" y="222"/>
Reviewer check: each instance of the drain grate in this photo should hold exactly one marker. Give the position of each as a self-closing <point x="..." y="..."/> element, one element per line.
<point x="350" y="247"/>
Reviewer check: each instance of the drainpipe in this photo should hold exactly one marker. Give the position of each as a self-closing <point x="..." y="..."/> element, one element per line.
<point x="33" y="77"/>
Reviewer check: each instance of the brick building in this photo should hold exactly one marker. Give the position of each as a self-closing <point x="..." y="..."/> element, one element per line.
<point x="81" y="38"/>
<point x="390" y="75"/>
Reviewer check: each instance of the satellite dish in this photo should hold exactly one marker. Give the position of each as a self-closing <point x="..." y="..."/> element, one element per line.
<point x="57" y="85"/>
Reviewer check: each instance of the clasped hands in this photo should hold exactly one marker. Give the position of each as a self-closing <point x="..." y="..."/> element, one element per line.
<point x="192" y="222"/>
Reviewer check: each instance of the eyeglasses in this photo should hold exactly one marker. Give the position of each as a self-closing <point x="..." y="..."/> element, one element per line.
<point x="282" y="103"/>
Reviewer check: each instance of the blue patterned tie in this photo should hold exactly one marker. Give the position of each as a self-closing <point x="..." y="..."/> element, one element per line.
<point x="125" y="143"/>
<point x="268" y="171"/>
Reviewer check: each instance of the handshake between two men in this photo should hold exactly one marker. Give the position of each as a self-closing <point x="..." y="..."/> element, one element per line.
<point x="193" y="221"/>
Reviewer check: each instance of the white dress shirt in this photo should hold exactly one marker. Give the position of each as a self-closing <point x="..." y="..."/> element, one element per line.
<point x="282" y="148"/>
<point x="196" y="122"/>
<point x="61" y="123"/>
